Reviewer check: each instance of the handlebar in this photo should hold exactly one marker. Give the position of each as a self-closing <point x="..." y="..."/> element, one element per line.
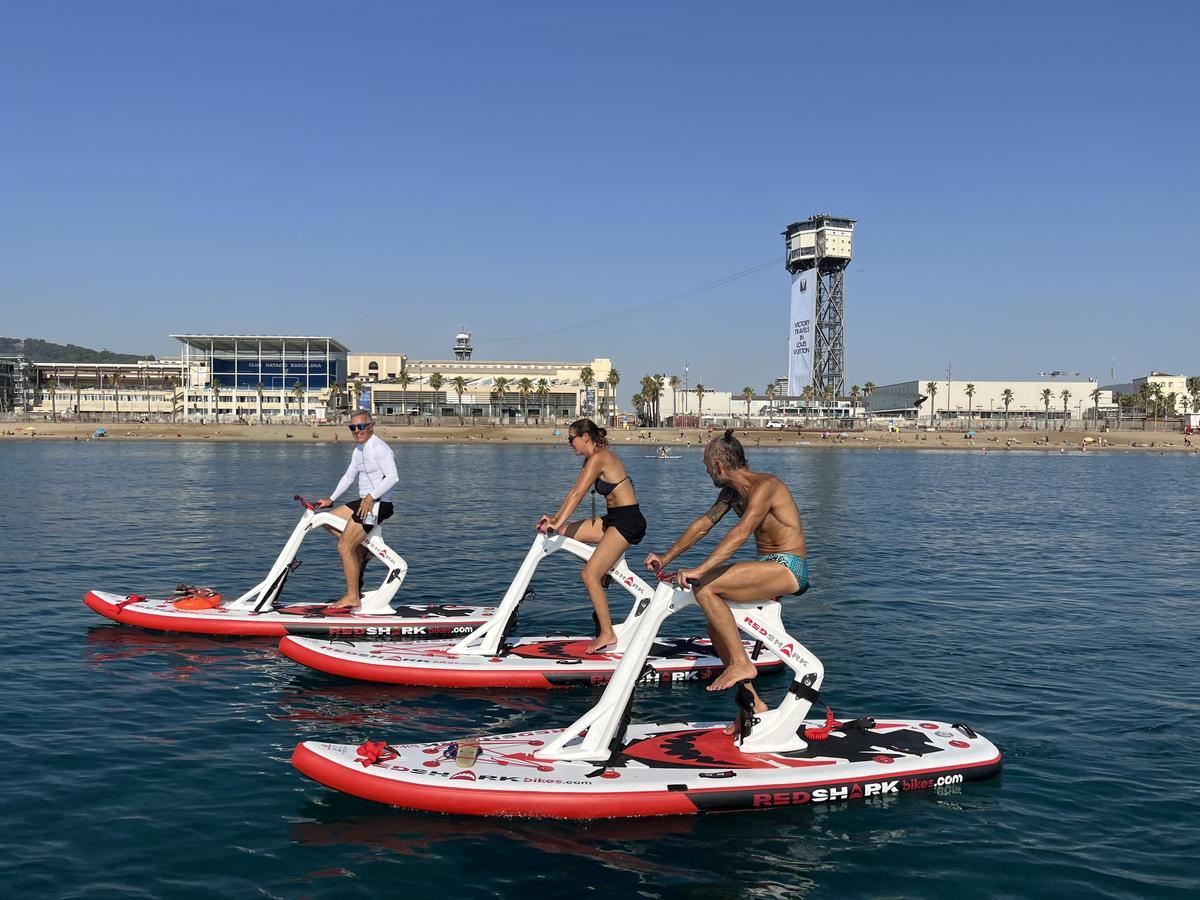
<point x="304" y="502"/>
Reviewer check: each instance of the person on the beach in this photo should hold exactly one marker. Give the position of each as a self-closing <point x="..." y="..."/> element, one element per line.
<point x="373" y="464"/>
<point x="613" y="534"/>
<point x="766" y="509"/>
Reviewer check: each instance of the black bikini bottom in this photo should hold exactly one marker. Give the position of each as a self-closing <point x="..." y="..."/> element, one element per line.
<point x="628" y="520"/>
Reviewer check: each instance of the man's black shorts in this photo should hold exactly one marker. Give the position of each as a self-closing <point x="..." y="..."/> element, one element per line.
<point x="385" y="512"/>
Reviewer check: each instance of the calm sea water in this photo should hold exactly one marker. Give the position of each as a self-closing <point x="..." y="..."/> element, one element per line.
<point x="1049" y="601"/>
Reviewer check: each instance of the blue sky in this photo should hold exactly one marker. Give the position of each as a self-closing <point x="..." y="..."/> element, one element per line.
<point x="1024" y="175"/>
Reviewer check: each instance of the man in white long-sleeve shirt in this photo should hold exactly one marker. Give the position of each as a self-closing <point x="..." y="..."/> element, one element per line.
<point x="374" y="466"/>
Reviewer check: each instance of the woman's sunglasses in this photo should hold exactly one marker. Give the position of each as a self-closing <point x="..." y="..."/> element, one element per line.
<point x="361" y="426"/>
<point x="571" y="438"/>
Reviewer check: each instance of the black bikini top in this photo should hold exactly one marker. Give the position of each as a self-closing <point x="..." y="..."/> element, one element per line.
<point x="604" y="488"/>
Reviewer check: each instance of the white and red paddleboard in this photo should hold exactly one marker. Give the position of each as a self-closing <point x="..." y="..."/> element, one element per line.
<point x="531" y="662"/>
<point x="658" y="770"/>
<point x="406" y="622"/>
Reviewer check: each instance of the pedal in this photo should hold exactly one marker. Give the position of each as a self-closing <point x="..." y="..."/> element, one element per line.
<point x="746" y="719"/>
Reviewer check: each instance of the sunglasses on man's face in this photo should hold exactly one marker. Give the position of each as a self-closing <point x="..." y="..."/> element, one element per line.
<point x="361" y="426"/>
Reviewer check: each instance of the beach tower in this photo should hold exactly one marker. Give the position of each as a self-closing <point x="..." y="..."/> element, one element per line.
<point x="822" y="245"/>
<point x="462" y="344"/>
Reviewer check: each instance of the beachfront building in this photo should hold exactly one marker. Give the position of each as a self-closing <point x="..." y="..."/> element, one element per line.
<point x="260" y="377"/>
<point x="392" y="384"/>
<point x="146" y="389"/>
<point x="1167" y="385"/>
<point x="959" y="402"/>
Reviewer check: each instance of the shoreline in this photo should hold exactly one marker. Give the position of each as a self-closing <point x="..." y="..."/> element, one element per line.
<point x="984" y="441"/>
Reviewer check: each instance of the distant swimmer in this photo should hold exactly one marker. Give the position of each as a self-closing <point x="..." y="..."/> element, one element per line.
<point x="766" y="510"/>
<point x="373" y="464"/>
<point x="613" y="533"/>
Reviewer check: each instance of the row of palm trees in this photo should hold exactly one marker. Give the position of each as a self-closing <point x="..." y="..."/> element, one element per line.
<point x="646" y="402"/>
<point x="1007" y="396"/>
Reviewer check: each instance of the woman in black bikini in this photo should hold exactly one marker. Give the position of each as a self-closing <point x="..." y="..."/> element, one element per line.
<point x="613" y="533"/>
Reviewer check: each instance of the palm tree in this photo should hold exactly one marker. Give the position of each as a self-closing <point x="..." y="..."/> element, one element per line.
<point x="638" y="400"/>
<point x="356" y="390"/>
<point x="524" y="389"/>
<point x="648" y="397"/>
<point x="404" y="380"/>
<point x="970" y="392"/>
<point x="931" y="390"/>
<point x="1066" y="398"/>
<point x="1096" y="406"/>
<point x="258" y="389"/>
<point x="659" y="382"/>
<point x="1046" y="395"/>
<point x="77" y="386"/>
<point x="436" y="380"/>
<point x="543" y="392"/>
<point x="855" y="390"/>
<point x="807" y="395"/>
<point x="1156" y="394"/>
<point x="1193" y="388"/>
<point x="747" y="395"/>
<point x="146" y="388"/>
<point x="299" y="393"/>
<point x="55" y="384"/>
<point x="700" y="392"/>
<point x="460" y="387"/>
<point x="587" y="378"/>
<point x="1007" y="396"/>
<point x="674" y="381"/>
<point x="115" y="380"/>
<point x="614" y="378"/>
<point x="173" y="381"/>
<point x="769" y="393"/>
<point x="216" y="393"/>
<point x="499" y="386"/>
<point x="868" y="393"/>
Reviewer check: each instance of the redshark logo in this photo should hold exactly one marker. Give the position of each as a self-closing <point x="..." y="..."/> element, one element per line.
<point x="464" y="775"/>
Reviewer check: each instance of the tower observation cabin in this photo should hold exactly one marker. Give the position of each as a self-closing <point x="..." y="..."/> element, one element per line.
<point x="825" y="244"/>
<point x="462" y="345"/>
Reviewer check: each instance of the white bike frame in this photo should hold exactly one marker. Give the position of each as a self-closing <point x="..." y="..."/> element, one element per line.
<point x="373" y="603"/>
<point x="777" y="730"/>
<point x="485" y="640"/>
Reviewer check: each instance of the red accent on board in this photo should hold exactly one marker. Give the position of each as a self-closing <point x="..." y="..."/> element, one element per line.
<point x="822" y="733"/>
<point x="371" y="752"/>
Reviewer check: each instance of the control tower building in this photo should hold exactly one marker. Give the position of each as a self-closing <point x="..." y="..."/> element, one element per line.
<point x="818" y="251"/>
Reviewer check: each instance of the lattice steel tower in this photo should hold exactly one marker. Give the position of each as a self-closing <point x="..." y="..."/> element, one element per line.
<point x="824" y="244"/>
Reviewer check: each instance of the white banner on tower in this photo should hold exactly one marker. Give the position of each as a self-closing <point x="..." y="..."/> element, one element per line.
<point x="800" y="332"/>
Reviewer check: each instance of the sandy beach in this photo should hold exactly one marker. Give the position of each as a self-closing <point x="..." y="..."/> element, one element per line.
<point x="984" y="441"/>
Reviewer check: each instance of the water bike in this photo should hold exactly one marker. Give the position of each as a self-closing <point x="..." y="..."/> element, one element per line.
<point x="259" y="612"/>
<point x="601" y="766"/>
<point x="488" y="658"/>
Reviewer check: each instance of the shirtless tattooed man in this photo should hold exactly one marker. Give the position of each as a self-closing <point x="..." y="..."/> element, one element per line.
<point x="766" y="509"/>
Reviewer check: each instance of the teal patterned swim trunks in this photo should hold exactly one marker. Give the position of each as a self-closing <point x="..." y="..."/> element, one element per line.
<point x="797" y="565"/>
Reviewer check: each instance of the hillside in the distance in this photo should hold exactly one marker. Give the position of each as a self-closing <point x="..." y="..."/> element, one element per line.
<point x="38" y="350"/>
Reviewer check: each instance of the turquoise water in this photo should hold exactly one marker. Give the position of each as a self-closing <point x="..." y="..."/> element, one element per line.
<point x="1049" y="601"/>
